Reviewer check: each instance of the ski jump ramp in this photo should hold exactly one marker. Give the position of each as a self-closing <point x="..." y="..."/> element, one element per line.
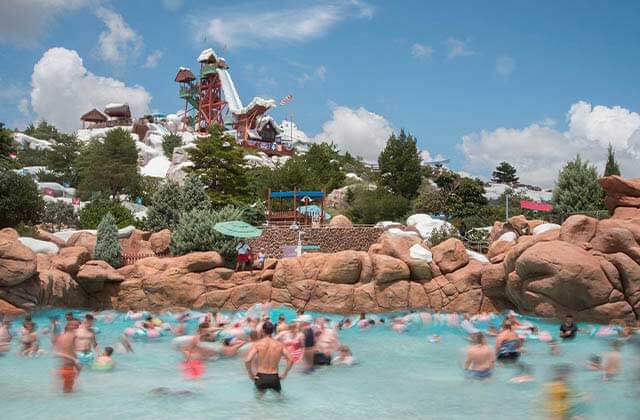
<point x="229" y="90"/>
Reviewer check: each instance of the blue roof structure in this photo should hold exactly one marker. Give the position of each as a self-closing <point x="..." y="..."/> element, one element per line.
<point x="299" y="194"/>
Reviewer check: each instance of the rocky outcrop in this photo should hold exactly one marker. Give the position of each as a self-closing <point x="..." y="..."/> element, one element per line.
<point x="17" y="262"/>
<point x="84" y="239"/>
<point x="160" y="241"/>
<point x="340" y="221"/>
<point x="94" y="274"/>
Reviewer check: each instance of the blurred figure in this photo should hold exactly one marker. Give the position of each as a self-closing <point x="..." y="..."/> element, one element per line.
<point x="480" y="359"/>
<point x="309" y="341"/>
<point x="29" y="340"/>
<point x="594" y="362"/>
<point x="104" y="361"/>
<point x="85" y="342"/>
<point x="507" y="343"/>
<point x="524" y="374"/>
<point x="568" y="329"/>
<point x="65" y="351"/>
<point x="561" y="401"/>
<point x="554" y="349"/>
<point x="344" y="357"/>
<point x="5" y="336"/>
<point x="612" y="361"/>
<point x="282" y="324"/>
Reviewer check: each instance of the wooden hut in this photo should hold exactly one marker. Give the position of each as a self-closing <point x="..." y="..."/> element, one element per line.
<point x="93" y="117"/>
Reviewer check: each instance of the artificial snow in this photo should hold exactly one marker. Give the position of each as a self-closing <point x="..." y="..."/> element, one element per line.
<point x="494" y="191"/>
<point x="508" y="237"/>
<point x="400" y="232"/>
<point x="86" y="134"/>
<point x="545" y="227"/>
<point x="419" y="252"/>
<point x="31" y="142"/>
<point x="256" y="102"/>
<point x="125" y="232"/>
<point x="477" y="256"/>
<point x="425" y="224"/>
<point x="38" y="246"/>
<point x="230" y="93"/>
<point x="207" y="54"/>
<point x="157" y="167"/>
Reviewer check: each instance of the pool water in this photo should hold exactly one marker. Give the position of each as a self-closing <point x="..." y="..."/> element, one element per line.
<point x="398" y="376"/>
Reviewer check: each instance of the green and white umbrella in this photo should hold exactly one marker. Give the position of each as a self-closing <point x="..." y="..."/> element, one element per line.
<point x="237" y="229"/>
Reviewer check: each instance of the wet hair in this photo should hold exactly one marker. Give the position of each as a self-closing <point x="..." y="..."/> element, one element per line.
<point x="88" y="317"/>
<point x="253" y="335"/>
<point x="362" y="315"/>
<point x="267" y="328"/>
<point x="569" y="316"/>
<point x="203" y="326"/>
<point x="595" y="359"/>
<point x="108" y="351"/>
<point x="477" y="338"/>
<point x="372" y="322"/>
<point x="281" y="317"/>
<point x="344" y="348"/>
<point x="27" y="317"/>
<point x="149" y="318"/>
<point x="381" y="320"/>
<point x="69" y="315"/>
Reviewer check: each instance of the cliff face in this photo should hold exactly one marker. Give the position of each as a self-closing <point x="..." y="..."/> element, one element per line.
<point x="585" y="267"/>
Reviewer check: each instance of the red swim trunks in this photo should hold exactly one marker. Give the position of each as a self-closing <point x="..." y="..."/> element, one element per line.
<point x="192" y="369"/>
<point x="68" y="375"/>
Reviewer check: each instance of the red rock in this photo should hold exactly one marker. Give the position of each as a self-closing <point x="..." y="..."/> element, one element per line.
<point x="70" y="259"/>
<point x="95" y="273"/>
<point x="197" y="262"/>
<point x="493" y="280"/>
<point x="467" y="277"/>
<point x="85" y="239"/>
<point x="301" y="290"/>
<point x="613" y="201"/>
<point x="612" y="240"/>
<point x="366" y="274"/>
<point x="333" y="298"/>
<point x="287" y="271"/>
<point x="629" y="275"/>
<point x="17" y="262"/>
<point x="8" y="309"/>
<point x="247" y="295"/>
<point x="500" y="247"/>
<point x="215" y="300"/>
<point x="578" y="229"/>
<point x="519" y="224"/>
<point x="393" y="297"/>
<point x="467" y="302"/>
<point x="43" y="235"/>
<point x="388" y="269"/>
<point x="340" y="221"/>
<point x="342" y="267"/>
<point x="450" y="255"/>
<point x="617" y="185"/>
<point x="626" y="213"/>
<point x="160" y="241"/>
<point x="418" y="298"/>
<point x="532" y="224"/>
<point x="280" y="295"/>
<point x="364" y="299"/>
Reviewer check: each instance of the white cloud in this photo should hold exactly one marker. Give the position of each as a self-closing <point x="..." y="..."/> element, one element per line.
<point x="23" y="107"/>
<point x="63" y="90"/>
<point x="357" y="131"/>
<point x="152" y="59"/>
<point x="458" y="48"/>
<point x="251" y="28"/>
<point x="505" y="65"/>
<point x="23" y="21"/>
<point x="172" y="5"/>
<point x="421" y="51"/>
<point x="119" y="41"/>
<point x="425" y="156"/>
<point x="538" y="152"/>
<point x="319" y="73"/>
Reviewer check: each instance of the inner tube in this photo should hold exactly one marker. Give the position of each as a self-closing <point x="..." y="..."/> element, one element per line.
<point x="179" y="343"/>
<point x="104" y="367"/>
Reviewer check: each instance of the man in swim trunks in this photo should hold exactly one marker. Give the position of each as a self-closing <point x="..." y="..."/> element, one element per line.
<point x="308" y="341"/>
<point x="507" y="343"/>
<point x="326" y="343"/>
<point x="65" y="350"/>
<point x="86" y="339"/>
<point x="568" y="329"/>
<point x="480" y="359"/>
<point x="268" y="352"/>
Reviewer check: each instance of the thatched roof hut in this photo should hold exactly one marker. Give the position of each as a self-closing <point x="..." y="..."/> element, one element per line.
<point x="94" y="116"/>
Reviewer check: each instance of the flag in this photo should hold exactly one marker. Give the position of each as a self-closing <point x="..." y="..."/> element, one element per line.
<point x="286" y="99"/>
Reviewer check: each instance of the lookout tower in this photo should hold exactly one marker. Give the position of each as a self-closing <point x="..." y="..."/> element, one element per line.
<point x="210" y="101"/>
<point x="188" y="90"/>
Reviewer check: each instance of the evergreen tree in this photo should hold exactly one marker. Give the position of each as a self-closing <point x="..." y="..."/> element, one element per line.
<point x="399" y="165"/>
<point x="218" y="162"/>
<point x="165" y="207"/>
<point x="370" y="207"/>
<point x="107" y="245"/>
<point x="577" y="188"/>
<point x="109" y="166"/>
<point x="43" y="131"/>
<point x="20" y="201"/>
<point x="193" y="195"/>
<point x="62" y="157"/>
<point x="170" y="142"/>
<point x="92" y="214"/>
<point x="612" y="167"/>
<point x="7" y="147"/>
<point x="505" y="173"/>
<point x="58" y="214"/>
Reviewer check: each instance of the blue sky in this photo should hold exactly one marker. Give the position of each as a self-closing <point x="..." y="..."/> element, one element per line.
<point x="475" y="81"/>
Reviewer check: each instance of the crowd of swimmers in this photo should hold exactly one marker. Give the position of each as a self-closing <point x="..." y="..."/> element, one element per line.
<point x="264" y="343"/>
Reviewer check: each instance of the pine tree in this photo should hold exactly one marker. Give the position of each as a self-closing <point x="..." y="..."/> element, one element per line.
<point x="107" y="245"/>
<point x="505" y="173"/>
<point x="577" y="188"/>
<point x="165" y="207"/>
<point x="612" y="167"/>
<point x="399" y="165"/>
<point x="62" y="158"/>
<point x="193" y="195"/>
<point x="218" y="162"/>
<point x="6" y="148"/>
<point x="170" y="142"/>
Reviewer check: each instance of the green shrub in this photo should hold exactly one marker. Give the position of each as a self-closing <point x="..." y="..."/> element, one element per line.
<point x="107" y="245"/>
<point x="58" y="213"/>
<point x="91" y="215"/>
<point x="25" y="230"/>
<point x="47" y="176"/>
<point x="441" y="234"/>
<point x="170" y="142"/>
<point x="20" y="200"/>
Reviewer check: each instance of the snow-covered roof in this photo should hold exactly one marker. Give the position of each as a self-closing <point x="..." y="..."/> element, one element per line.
<point x="113" y="105"/>
<point x="494" y="191"/>
<point x="263" y="120"/>
<point x="184" y="68"/>
<point x="256" y="102"/>
<point x="207" y="55"/>
<point x="253" y="134"/>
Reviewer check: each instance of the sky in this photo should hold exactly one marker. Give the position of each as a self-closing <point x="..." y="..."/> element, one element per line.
<point x="476" y="82"/>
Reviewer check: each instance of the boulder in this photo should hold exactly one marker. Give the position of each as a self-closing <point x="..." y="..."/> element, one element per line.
<point x="632" y="225"/>
<point x="578" y="229"/>
<point x="341" y="267"/>
<point x="196" y="262"/>
<point x="70" y="259"/>
<point x="613" y="201"/>
<point x="174" y="287"/>
<point x="247" y="295"/>
<point x="287" y="271"/>
<point x="340" y="221"/>
<point x="9" y="234"/>
<point x="626" y="213"/>
<point x="629" y="272"/>
<point x="387" y="269"/>
<point x="17" y="262"/>
<point x="545" y="227"/>
<point x="95" y="273"/>
<point x="498" y="229"/>
<point x="493" y="280"/>
<point x="58" y="288"/>
<point x="44" y="235"/>
<point x="215" y="300"/>
<point x="394" y="296"/>
<point x="333" y="298"/>
<point x="418" y="298"/>
<point x="532" y="224"/>
<point x="500" y="247"/>
<point x="411" y="251"/>
<point x="364" y="299"/>
<point x="617" y="185"/>
<point x="450" y="255"/>
<point x="519" y="224"/>
<point x="85" y="239"/>
<point x="160" y="241"/>
<point x="466" y="278"/>
<point x="612" y="240"/>
<point x="467" y="302"/>
<point x="8" y="309"/>
<point x="301" y="291"/>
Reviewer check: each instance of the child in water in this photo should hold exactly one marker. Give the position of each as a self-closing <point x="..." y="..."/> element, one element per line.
<point x="344" y="357"/>
<point x="104" y="361"/>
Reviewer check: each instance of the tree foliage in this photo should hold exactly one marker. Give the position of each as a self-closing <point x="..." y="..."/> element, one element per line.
<point x="577" y="188"/>
<point x="195" y="232"/>
<point x="368" y="207"/>
<point x="170" y="142"/>
<point x="58" y="214"/>
<point x="62" y="157"/>
<point x="92" y="213"/>
<point x="42" y="131"/>
<point x="218" y="162"/>
<point x="171" y="201"/>
<point x="109" y="166"/>
<point x="612" y="167"/>
<point x="442" y="233"/>
<point x="107" y="245"/>
<point x="7" y="147"/>
<point x="20" y="201"/>
<point x="504" y="173"/>
<point x="399" y="165"/>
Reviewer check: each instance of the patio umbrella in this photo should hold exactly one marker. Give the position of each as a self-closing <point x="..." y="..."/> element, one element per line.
<point x="237" y="229"/>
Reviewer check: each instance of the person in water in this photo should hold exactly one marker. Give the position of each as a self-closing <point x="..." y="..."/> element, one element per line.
<point x="5" y="336"/>
<point x="612" y="361"/>
<point x="308" y="341"/>
<point x="268" y="352"/>
<point x="561" y="401"/>
<point x="480" y="359"/>
<point x="344" y="357"/>
<point x="282" y="324"/>
<point x="85" y="342"/>
<point x="568" y="329"/>
<point x="524" y="374"/>
<point x="29" y="340"/>
<point x="104" y="361"/>
<point x="326" y="343"/>
<point x="507" y="343"/>
<point x="65" y="350"/>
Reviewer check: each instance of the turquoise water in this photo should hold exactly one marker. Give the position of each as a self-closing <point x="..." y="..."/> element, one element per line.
<point x="399" y="376"/>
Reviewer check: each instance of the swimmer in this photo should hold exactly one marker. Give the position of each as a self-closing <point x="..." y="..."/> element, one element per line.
<point x="480" y="359"/>
<point x="398" y="325"/>
<point x="104" y="361"/>
<point x="594" y="362"/>
<point x="282" y="324"/>
<point x="309" y="341"/>
<point x="326" y="343"/>
<point x="568" y="329"/>
<point x="268" y="352"/>
<point x="524" y="374"/>
<point x="554" y="349"/>
<point x="612" y="361"/>
<point x="65" y="350"/>
<point x="68" y="317"/>
<point x="508" y="343"/>
<point x="363" y="323"/>
<point x="5" y="336"/>
<point x="29" y="340"/>
<point x="86" y="340"/>
<point x="435" y="338"/>
<point x="292" y="339"/>
<point x="344" y="357"/>
<point x="514" y="322"/>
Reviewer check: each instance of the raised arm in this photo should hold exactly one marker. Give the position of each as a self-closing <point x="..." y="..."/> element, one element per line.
<point x="248" y="361"/>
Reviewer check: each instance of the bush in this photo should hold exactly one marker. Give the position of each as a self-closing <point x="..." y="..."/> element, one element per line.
<point x="58" y="214"/>
<point x="170" y="142"/>
<point x="577" y="188"/>
<point x="28" y="231"/>
<point x="91" y="215"/>
<point x="107" y="245"/>
<point x="48" y="176"/>
<point x="20" y="200"/>
<point x="441" y="234"/>
<point x="195" y="232"/>
<point x="369" y="207"/>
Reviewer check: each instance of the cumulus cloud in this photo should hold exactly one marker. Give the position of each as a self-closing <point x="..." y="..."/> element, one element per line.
<point x="23" y="21"/>
<point x="62" y="89"/>
<point x="119" y="41"/>
<point x="458" y="48"/>
<point x="505" y="65"/>
<point x="357" y="131"/>
<point x="153" y="59"/>
<point x="421" y="51"/>
<point x="538" y="152"/>
<point x="251" y="28"/>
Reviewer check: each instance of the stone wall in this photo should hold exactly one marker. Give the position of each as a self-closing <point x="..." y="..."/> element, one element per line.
<point x="329" y="239"/>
